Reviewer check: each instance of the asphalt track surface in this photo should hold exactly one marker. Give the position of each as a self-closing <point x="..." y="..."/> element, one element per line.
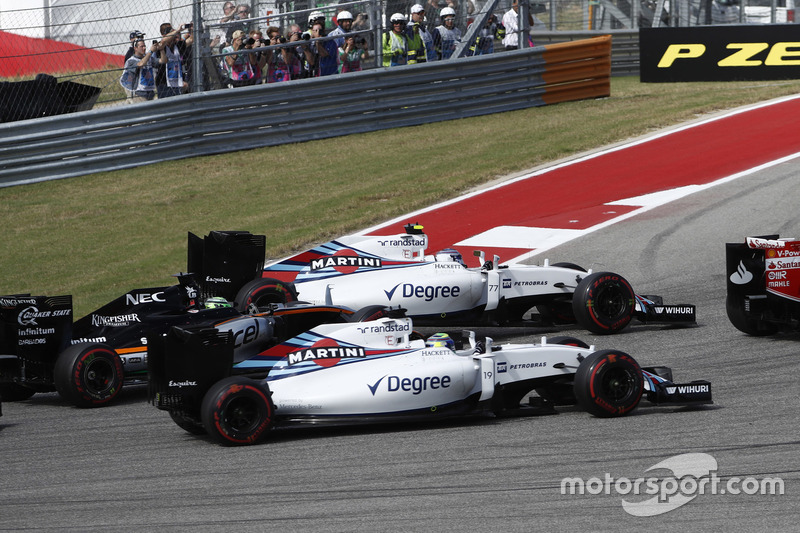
<point x="128" y="467"/>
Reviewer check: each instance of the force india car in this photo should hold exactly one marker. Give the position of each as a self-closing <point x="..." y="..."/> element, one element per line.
<point x="88" y="361"/>
<point x="763" y="282"/>
<point x="380" y="371"/>
<point x="358" y="270"/>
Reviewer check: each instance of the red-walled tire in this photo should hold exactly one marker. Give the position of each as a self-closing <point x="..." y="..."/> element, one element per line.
<point x="237" y="411"/>
<point x="604" y="303"/>
<point x="259" y="293"/>
<point x="609" y="383"/>
<point x="89" y="375"/>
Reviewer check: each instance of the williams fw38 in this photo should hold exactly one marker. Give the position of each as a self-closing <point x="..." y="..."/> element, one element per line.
<point x="381" y="371"/>
<point x="395" y="271"/>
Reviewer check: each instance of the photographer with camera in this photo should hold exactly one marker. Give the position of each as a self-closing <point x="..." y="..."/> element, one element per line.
<point x="322" y="56"/>
<point x="172" y="56"/>
<point x="135" y="35"/>
<point x="239" y="66"/>
<point x="138" y="77"/>
<point x="354" y="50"/>
<point x="280" y="63"/>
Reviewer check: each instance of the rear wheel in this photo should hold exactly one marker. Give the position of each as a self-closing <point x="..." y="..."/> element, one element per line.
<point x="603" y="303"/>
<point x="609" y="383"/>
<point x="259" y="293"/>
<point x="371" y="312"/>
<point x="740" y="320"/>
<point x="237" y="411"/>
<point x="187" y="424"/>
<point x="89" y="375"/>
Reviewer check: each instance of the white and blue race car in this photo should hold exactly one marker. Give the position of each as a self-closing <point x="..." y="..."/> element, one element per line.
<point x="381" y="371"/>
<point x="395" y="271"/>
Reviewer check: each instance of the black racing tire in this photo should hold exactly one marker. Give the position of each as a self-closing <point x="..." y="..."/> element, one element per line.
<point x="757" y="328"/>
<point x="263" y="291"/>
<point x="14" y="392"/>
<point x="559" y="311"/>
<point x="368" y="313"/>
<point x="89" y="375"/>
<point x="604" y="303"/>
<point x="187" y="424"/>
<point x="609" y="383"/>
<point x="237" y="411"/>
<point x="567" y="341"/>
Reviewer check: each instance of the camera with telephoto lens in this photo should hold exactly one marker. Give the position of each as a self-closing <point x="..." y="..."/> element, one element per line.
<point x="249" y="42"/>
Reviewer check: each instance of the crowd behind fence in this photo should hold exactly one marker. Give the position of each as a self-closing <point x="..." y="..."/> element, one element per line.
<point x="86" y="42"/>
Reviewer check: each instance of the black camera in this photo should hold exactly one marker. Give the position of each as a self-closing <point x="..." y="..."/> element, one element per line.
<point x="281" y="39"/>
<point x="249" y="42"/>
<point x="305" y="36"/>
<point x="188" y="26"/>
<point x="364" y="16"/>
<point x="155" y="41"/>
<point x="360" y="40"/>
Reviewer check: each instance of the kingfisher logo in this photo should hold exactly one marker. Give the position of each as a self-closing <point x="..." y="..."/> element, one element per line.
<point x="345" y="261"/>
<point x="325" y="353"/>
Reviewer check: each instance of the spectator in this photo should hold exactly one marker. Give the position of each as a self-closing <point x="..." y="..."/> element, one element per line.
<point x="239" y="66"/>
<point x="416" y="45"/>
<point x="134" y="36"/>
<point x="447" y="36"/>
<point x="511" y="24"/>
<point x="354" y="50"/>
<point x="418" y="17"/>
<point x="395" y="42"/>
<point x="169" y="76"/>
<point x="241" y="23"/>
<point x="228" y="12"/>
<point x="297" y="60"/>
<point x="138" y="78"/>
<point x="344" y="21"/>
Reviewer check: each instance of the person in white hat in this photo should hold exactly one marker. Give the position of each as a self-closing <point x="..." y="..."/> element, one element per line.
<point x="418" y="18"/>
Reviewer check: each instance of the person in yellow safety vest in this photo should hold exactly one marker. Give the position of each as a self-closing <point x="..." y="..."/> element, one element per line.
<point x="395" y="42"/>
<point x="416" y="45"/>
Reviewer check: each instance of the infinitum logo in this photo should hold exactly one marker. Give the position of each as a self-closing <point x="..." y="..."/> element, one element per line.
<point x="692" y="474"/>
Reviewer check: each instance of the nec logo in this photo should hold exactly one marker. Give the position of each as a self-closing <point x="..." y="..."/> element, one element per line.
<point x="136" y="299"/>
<point x="742" y="55"/>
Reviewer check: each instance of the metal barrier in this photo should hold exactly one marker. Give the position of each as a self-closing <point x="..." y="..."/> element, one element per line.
<point x="624" y="48"/>
<point x="266" y="115"/>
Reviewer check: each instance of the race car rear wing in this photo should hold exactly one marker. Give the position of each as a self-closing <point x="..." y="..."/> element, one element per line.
<point x="223" y="261"/>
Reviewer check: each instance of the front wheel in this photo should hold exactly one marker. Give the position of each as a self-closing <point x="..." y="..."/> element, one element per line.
<point x="609" y="383"/>
<point x="603" y="303"/>
<point x="237" y="411"/>
<point x="259" y="293"/>
<point x="89" y="375"/>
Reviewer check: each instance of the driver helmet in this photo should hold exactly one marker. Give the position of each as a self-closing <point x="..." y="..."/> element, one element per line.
<point x="449" y="255"/>
<point x="217" y="302"/>
<point x="440" y="340"/>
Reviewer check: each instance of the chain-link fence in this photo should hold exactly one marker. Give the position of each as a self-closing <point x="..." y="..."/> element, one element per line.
<point x="71" y="54"/>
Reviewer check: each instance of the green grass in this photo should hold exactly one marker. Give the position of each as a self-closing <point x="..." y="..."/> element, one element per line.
<point x="99" y="235"/>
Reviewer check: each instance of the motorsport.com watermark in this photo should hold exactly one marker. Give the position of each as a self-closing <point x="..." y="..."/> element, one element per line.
<point x="693" y="474"/>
